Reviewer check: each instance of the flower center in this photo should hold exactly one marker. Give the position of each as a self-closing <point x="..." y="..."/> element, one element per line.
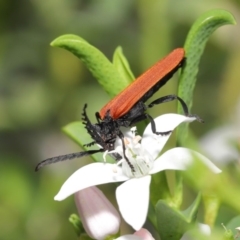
<point x="141" y="161"/>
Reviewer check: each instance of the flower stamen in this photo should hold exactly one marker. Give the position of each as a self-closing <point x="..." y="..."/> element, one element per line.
<point x="140" y="160"/>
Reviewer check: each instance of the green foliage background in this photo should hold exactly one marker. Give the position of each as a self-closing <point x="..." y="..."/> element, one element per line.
<point x="43" y="88"/>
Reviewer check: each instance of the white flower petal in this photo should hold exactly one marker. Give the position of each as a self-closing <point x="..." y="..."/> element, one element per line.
<point x="129" y="237"/>
<point x="99" y="217"/>
<point x="180" y="159"/>
<point x="164" y="123"/>
<point x="133" y="198"/>
<point x="90" y="175"/>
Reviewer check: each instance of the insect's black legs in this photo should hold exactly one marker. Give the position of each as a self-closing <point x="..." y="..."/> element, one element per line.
<point x="153" y="126"/>
<point x="121" y="136"/>
<point x="170" y="98"/>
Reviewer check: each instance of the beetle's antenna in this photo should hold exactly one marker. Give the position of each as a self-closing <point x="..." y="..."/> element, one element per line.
<point x="66" y="157"/>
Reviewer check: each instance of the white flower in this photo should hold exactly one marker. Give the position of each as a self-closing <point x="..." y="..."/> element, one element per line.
<point x="221" y="143"/>
<point x="98" y="215"/>
<point x="133" y="195"/>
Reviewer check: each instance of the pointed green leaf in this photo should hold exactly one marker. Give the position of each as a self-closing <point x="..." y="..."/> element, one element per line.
<point x="120" y="62"/>
<point x="77" y="132"/>
<point x="170" y="222"/>
<point x="97" y="63"/>
<point x="194" y="46"/>
<point x="191" y="212"/>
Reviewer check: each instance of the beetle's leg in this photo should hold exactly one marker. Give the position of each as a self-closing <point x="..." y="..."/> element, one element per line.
<point x="121" y="136"/>
<point x="153" y="126"/>
<point x="170" y="98"/>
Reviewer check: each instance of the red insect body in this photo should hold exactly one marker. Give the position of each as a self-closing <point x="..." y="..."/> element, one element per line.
<point x="126" y="99"/>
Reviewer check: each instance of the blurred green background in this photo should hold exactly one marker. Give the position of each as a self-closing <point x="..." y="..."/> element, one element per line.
<point x="44" y="88"/>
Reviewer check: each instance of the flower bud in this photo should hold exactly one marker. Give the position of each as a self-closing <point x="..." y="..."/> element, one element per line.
<point x="98" y="215"/>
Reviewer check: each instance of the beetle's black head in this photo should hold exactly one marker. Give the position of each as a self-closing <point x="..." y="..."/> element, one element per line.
<point x="105" y="134"/>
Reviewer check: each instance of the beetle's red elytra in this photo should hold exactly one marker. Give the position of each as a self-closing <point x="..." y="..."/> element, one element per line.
<point x="125" y="100"/>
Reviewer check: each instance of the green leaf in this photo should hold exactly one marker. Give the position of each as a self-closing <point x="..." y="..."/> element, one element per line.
<point x="77" y="132"/>
<point x="191" y="212"/>
<point x="194" y="46"/>
<point x="170" y="222"/>
<point x="97" y="63"/>
<point x="120" y="62"/>
<point x="77" y="224"/>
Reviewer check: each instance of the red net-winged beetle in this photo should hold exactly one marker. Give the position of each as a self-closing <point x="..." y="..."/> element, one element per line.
<point x="128" y="108"/>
